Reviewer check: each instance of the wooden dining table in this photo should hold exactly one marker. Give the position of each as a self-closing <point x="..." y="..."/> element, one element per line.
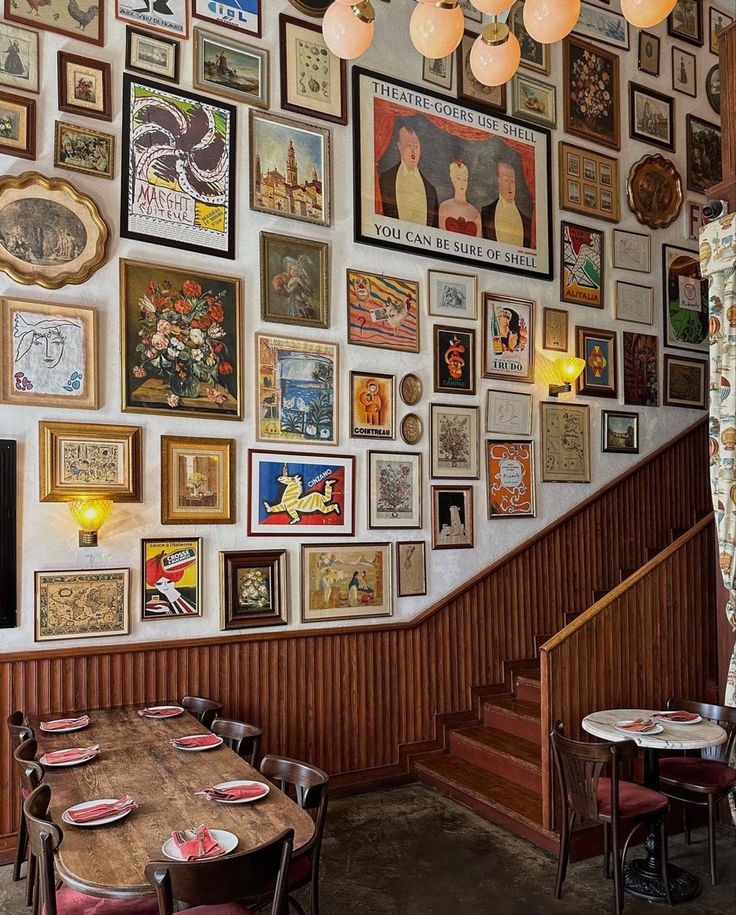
<point x="137" y="758"/>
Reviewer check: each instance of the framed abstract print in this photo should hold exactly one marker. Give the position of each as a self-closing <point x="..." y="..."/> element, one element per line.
<point x="591" y="93"/>
<point x="197" y="480"/>
<point x="152" y="54"/>
<point x="372" y="405"/>
<point x="296" y="390"/>
<point x="534" y="55"/>
<point x="383" y="311"/>
<point x="346" y="581"/>
<point x="649" y="53"/>
<point x="717" y="22"/>
<point x="582" y="277"/>
<point x="632" y="251"/>
<point x="313" y="80"/>
<point x="684" y="72"/>
<point x="634" y="303"/>
<point x="411" y="568"/>
<point x="713" y="88"/>
<point x="181" y="341"/>
<point x="171" y="578"/>
<point x="239" y="15"/>
<point x="565" y="437"/>
<point x="228" y="67"/>
<point x="651" y="117"/>
<point x="685" y="300"/>
<point x="8" y="534"/>
<point x="176" y="191"/>
<point x="437" y="71"/>
<point x="452" y="518"/>
<point x="170" y="17"/>
<point x="56" y="16"/>
<point x="468" y="88"/>
<point x="394" y="490"/>
<point x="508" y="337"/>
<point x="455" y="442"/>
<point x="295" y="286"/>
<point x="452" y="295"/>
<point x="554" y="329"/>
<point x="598" y="349"/>
<point x="433" y="178"/>
<point x="704" y="169"/>
<point x="641" y="369"/>
<point x="510" y="480"/>
<point x="603" y="25"/>
<point x="589" y="182"/>
<point x="253" y="589"/>
<point x="85" y="86"/>
<point x="685" y="382"/>
<point x="19" y="60"/>
<point x="686" y="22"/>
<point x="81" y="149"/>
<point x="454" y="360"/>
<point x="509" y="413"/>
<point x="81" y="604"/>
<point x="48" y="355"/>
<point x="17" y="126"/>
<point x="86" y="460"/>
<point x="619" y="432"/>
<point x="535" y="101"/>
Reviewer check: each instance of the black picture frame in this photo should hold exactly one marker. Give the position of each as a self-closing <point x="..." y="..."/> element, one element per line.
<point x="130" y="31"/>
<point x="8" y="534"/>
<point x="684" y="53"/>
<point x="645" y="36"/>
<point x="606" y="446"/>
<point x="637" y="89"/>
<point x="696" y="39"/>
<point x="454" y="376"/>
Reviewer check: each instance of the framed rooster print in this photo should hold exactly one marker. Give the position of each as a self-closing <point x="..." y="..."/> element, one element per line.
<point x="83" y="20"/>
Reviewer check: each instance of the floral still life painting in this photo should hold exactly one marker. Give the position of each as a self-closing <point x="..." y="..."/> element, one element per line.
<point x="455" y="440"/>
<point x="252" y="588"/>
<point x="346" y="581"/>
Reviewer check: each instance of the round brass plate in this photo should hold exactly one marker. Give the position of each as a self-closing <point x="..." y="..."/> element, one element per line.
<point x="412" y="428"/>
<point x="316" y="8"/>
<point x="410" y="389"/>
<point x="654" y="191"/>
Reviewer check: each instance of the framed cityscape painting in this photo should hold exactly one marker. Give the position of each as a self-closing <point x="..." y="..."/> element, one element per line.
<point x="313" y="79"/>
<point x="253" y="588"/>
<point x="170" y="16"/>
<point x="197" y="480"/>
<point x="619" y="432"/>
<point x="508" y="337"/>
<point x="19" y="58"/>
<point x="592" y="104"/>
<point x="685" y="382"/>
<point x="372" y="405"/>
<point x="411" y="568"/>
<point x="651" y="117"/>
<point x="685" y="300"/>
<point x="641" y="369"/>
<point x="582" y="280"/>
<point x="452" y="518"/>
<point x="598" y="349"/>
<point x="394" y="490"/>
<point x="240" y="15"/>
<point x="346" y="581"/>
<point x="57" y="16"/>
<point x="295" y="286"/>
<point x="510" y="479"/>
<point x="80" y="604"/>
<point x="383" y="311"/>
<point x="81" y="149"/>
<point x="228" y="67"/>
<point x="454" y="360"/>
<point x="565" y="434"/>
<point x="454" y="442"/>
<point x="171" y="578"/>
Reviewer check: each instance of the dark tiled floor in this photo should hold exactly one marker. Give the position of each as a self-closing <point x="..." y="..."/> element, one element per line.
<point x="412" y="852"/>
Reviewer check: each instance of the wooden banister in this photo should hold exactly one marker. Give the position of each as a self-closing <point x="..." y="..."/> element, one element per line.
<point x="726" y="189"/>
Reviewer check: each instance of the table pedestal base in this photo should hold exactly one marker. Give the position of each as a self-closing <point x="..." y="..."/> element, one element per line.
<point x="643" y="878"/>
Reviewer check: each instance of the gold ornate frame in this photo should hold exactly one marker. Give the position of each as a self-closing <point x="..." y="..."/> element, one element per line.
<point x="169" y="445"/>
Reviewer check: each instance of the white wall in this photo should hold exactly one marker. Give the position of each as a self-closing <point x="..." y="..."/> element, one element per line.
<point x="47" y="533"/>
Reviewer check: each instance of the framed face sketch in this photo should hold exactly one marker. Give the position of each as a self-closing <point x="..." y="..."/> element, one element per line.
<point x="554" y="331"/>
<point x="565" y="434"/>
<point x="452" y="295"/>
<point x="81" y="604"/>
<point x="81" y="149"/>
<point x="589" y="182"/>
<point x="239" y="15"/>
<point x="634" y="303"/>
<point x="455" y="441"/>
<point x="228" y="67"/>
<point x="313" y="80"/>
<point x="85" y="86"/>
<point x="508" y="337"/>
<point x="452" y="518"/>
<point x="19" y="58"/>
<point x="686" y="22"/>
<point x="641" y="369"/>
<point x="510" y="479"/>
<point x="411" y="568"/>
<point x="685" y="300"/>
<point x="57" y="16"/>
<point x="346" y="581"/>
<point x="154" y="55"/>
<point x="468" y="87"/>
<point x="704" y="168"/>
<point x="372" y="405"/>
<point x="651" y="117"/>
<point x="591" y="93"/>
<point x="454" y="360"/>
<point x="171" y="578"/>
<point x="509" y="413"/>
<point x="582" y="277"/>
<point x="295" y="285"/>
<point x="17" y="126"/>
<point x="383" y="311"/>
<point x="253" y="589"/>
<point x="632" y="251"/>
<point x="438" y="71"/>
<point x="598" y="349"/>
<point x="619" y="432"/>
<point x="684" y="72"/>
<point x="170" y="17"/>
<point x="197" y="480"/>
<point x="685" y="382"/>
<point x="649" y="48"/>
<point x="534" y="55"/>
<point x="394" y="490"/>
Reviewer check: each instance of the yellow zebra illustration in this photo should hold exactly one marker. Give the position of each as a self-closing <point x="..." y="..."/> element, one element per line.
<point x="295" y="504"/>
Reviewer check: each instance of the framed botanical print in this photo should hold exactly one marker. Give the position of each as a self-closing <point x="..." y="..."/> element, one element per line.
<point x="197" y="480"/>
<point x="686" y="22"/>
<point x="649" y="53"/>
<point x="48" y="355"/>
<point x="56" y="16"/>
<point x="534" y="54"/>
<point x="394" y="490"/>
<point x="313" y="79"/>
<point x="651" y="117"/>
<point x="565" y="437"/>
<point x="641" y="369"/>
<point x="508" y="337"/>
<point x="452" y="295"/>
<point x="582" y="277"/>
<point x="438" y="71"/>
<point x="469" y="89"/>
<point x="411" y="568"/>
<point x="455" y="441"/>
<point x="632" y="251"/>
<point x="253" y="589"/>
<point x="510" y="479"/>
<point x="228" y="67"/>
<point x="634" y="303"/>
<point x="152" y="54"/>
<point x="181" y="341"/>
<point x="509" y="413"/>
<point x="554" y="330"/>
<point x="239" y="15"/>
<point x="81" y="149"/>
<point x="533" y="100"/>
<point x="454" y="360"/>
<point x="170" y="17"/>
<point x="383" y="311"/>
<point x="589" y="182"/>
<point x="295" y="286"/>
<point x="704" y="169"/>
<point x="17" y="126"/>
<point x="372" y="405"/>
<point x="86" y="460"/>
<point x="591" y="92"/>
<point x="685" y="300"/>
<point x="717" y="22"/>
<point x="19" y="58"/>
<point x="684" y="72"/>
<point x="598" y="349"/>
<point x="452" y="518"/>
<point x="619" y="432"/>
<point x="84" y="86"/>
<point x="603" y="25"/>
<point x="346" y="581"/>
<point x="81" y="604"/>
<point x="171" y="578"/>
<point x="9" y="534"/>
<point x="685" y="382"/>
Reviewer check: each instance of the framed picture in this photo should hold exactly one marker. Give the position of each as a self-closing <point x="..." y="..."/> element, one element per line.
<point x="634" y="303"/>
<point x="641" y="369"/>
<point x="651" y="117"/>
<point x="17" y="126"/>
<point x="535" y="101"/>
<point x="383" y="311"/>
<point x="619" y="432"/>
<point x="598" y="349"/>
<point x="411" y="568"/>
<point x="704" y="168"/>
<point x="508" y="413"/>
<point x="508" y="337"/>
<point x="717" y="22"/>
<point x="454" y="360"/>
<point x="81" y="604"/>
<point x="470" y="12"/>
<point x="181" y="341"/>
<point x="466" y="161"/>
<point x="253" y="589"/>
<point x="48" y="355"/>
<point x="685" y="382"/>
<point x="316" y="8"/>
<point x="171" y="578"/>
<point x="695" y="220"/>
<point x="159" y="164"/>
<point x="86" y="460"/>
<point x="589" y="182"/>
<point x="453" y="295"/>
<point x="152" y="54"/>
<point x="230" y="68"/>
<point x="654" y="191"/>
<point x="591" y="93"/>
<point x="649" y="52"/>
<point x="170" y="17"/>
<point x="81" y="149"/>
<point x="438" y="71"/>
<point x="510" y="480"/>
<point x="296" y="390"/>
<point x="713" y="88"/>
<point x="56" y="16"/>
<point x="411" y="428"/>
<point x="84" y="86"/>
<point x="684" y="72"/>
<point x="582" y="277"/>
<point x="455" y="442"/>
<point x="468" y="88"/>
<point x="632" y="251"/>
<point x="197" y="480"/>
<point x="19" y="60"/>
<point x="686" y="22"/>
<point x="313" y="79"/>
<point x="452" y="518"/>
<point x="394" y="490"/>
<point x="554" y="329"/>
<point x="295" y="286"/>
<point x="603" y="26"/>
<point x="346" y="581"/>
<point x="534" y="55"/>
<point x="565" y="437"/>
<point x="8" y="534"/>
<point x="372" y="405"/>
<point x="240" y="15"/>
<point x="685" y="300"/>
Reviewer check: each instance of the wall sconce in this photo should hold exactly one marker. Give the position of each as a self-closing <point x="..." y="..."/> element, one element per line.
<point x="90" y="515"/>
<point x="568" y="368"/>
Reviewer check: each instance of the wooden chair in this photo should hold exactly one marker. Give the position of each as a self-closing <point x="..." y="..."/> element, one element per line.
<point x="702" y="780"/>
<point x="241" y="737"/>
<point x="214" y="887"/>
<point x="19" y="732"/>
<point x="587" y="794"/>
<point x="204" y="710"/>
<point x="30" y="776"/>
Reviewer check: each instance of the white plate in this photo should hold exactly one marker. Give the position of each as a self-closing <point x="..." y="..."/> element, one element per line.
<point x="101" y="822"/>
<point x="228" y="840"/>
<point x="679" y="723"/>
<point x="71" y="762"/>
<point x="180" y="711"/>
<point x="212" y="746"/>
<point x="243" y="800"/>
<point x="77" y="727"/>
<point x="657" y="729"/>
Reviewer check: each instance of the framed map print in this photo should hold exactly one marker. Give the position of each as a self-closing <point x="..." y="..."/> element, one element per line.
<point x="372" y="405"/>
<point x="685" y="300"/>
<point x="313" y="80"/>
<point x="383" y="311"/>
<point x="171" y="578"/>
<point x="253" y="589"/>
<point x="508" y="337"/>
<point x="346" y="581"/>
<point x="197" y="480"/>
<point x="168" y="16"/>
<point x="81" y="604"/>
<point x="565" y="433"/>
<point x="56" y="16"/>
<point x="240" y="15"/>
<point x="394" y="490"/>
<point x="685" y="382"/>
<point x="510" y="482"/>
<point x="581" y="270"/>
<point x="455" y="439"/>
<point x="598" y="349"/>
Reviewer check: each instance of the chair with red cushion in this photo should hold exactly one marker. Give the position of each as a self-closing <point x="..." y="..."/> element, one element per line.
<point x="703" y="780"/>
<point x="204" y="710"/>
<point x="19" y="731"/>
<point x="241" y="737"/>
<point x="590" y="797"/>
<point x="30" y="775"/>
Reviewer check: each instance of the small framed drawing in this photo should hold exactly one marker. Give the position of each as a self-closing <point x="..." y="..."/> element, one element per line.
<point x="455" y="441"/>
<point x="717" y="22"/>
<point x="641" y="369"/>
<point x="346" y="581"/>
<point x="454" y="360"/>
<point x="565" y="436"/>
<point x="632" y="251"/>
<point x="81" y="604"/>
<point x="48" y="355"/>
<point x="704" y="168"/>
<point x="154" y="55"/>
<point x="619" y="432"/>
<point x="253" y="589"/>
<point x="469" y="89"/>
<point x="508" y="337"/>
<point x="240" y="15"/>
<point x="685" y="382"/>
<point x="453" y="295"/>
<point x="372" y="405"/>
<point x="171" y="578"/>
<point x="509" y="413"/>
<point x="686" y="22"/>
<point x="18" y="129"/>
<point x="313" y="79"/>
<point x="510" y="482"/>
<point x="438" y="71"/>
<point x="684" y="71"/>
<point x="651" y="117"/>
<point x="598" y="349"/>
<point x="230" y="68"/>
<point x="452" y="518"/>
<point x="84" y="86"/>
<point x="634" y="303"/>
<point x="684" y="299"/>
<point x="411" y="568"/>
<point x="394" y="490"/>
<point x="533" y="100"/>
<point x="649" y="46"/>
<point x="170" y="17"/>
<point x="582" y="276"/>
<point x="383" y="311"/>
<point x="295" y="285"/>
<point x="19" y="60"/>
<point x="554" y="329"/>
<point x="197" y="480"/>
<point x="81" y="149"/>
<point x="589" y="182"/>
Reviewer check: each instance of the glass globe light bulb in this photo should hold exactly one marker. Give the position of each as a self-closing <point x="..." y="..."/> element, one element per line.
<point x="495" y="55"/>
<point x="646" y="13"/>
<point x="348" y="29"/>
<point x="436" y="30"/>
<point x="549" y="21"/>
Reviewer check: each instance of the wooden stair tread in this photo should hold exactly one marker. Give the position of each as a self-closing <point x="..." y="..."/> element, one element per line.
<point x="517" y="708"/>
<point x="522" y="751"/>
<point x="532" y="674"/>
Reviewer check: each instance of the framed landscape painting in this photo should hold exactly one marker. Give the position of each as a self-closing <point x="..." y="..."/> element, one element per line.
<point x="56" y="16"/>
<point x="197" y="480"/>
<point x="651" y="117"/>
<point x="582" y="278"/>
<point x="454" y="360"/>
<point x="19" y="58"/>
<point x="230" y="68"/>
<point x="346" y="581"/>
<point x="619" y="432"/>
<point x="313" y="79"/>
<point x="452" y="518"/>
<point x="170" y="16"/>
<point x="685" y="300"/>
<point x="641" y="369"/>
<point x="383" y="311"/>
<point x="510" y="480"/>
<point x="171" y="578"/>
<point x="686" y="22"/>
<point x="455" y="439"/>
<point x="394" y="490"/>
<point x="685" y="382"/>
<point x="240" y="15"/>
<point x="592" y="106"/>
<point x="81" y="604"/>
<point x="598" y="349"/>
<point x="411" y="568"/>
<point x="565" y="434"/>
<point x="508" y="337"/>
<point x="253" y="588"/>
<point x="372" y="405"/>
<point x="295" y="285"/>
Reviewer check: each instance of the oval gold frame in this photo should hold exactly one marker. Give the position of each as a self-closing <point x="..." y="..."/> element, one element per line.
<point x="647" y="165"/>
<point x="411" y="419"/>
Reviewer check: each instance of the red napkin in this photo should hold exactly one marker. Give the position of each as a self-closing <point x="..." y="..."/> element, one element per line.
<point x="677" y="716"/>
<point x="71" y="755"/>
<point x="199" y="740"/>
<point x="236" y="792"/>
<point x="102" y="810"/>
<point x="190" y="847"/>
<point x="167" y="711"/>
<point x="64" y="723"/>
<point x="638" y="725"/>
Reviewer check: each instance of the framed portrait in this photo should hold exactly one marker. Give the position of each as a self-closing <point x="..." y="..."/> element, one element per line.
<point x="80" y="604"/>
<point x="468" y="88"/>
<point x="603" y="25"/>
<point x="641" y="369"/>
<point x="510" y="479"/>
<point x="535" y="101"/>
<point x="554" y="331"/>
<point x="84" y="86"/>
<point x="598" y="349"/>
<point x="239" y="15"/>
<point x="296" y="390"/>
<point x="81" y="149"/>
<point x="346" y="581"/>
<point x="589" y="182"/>
<point x="686" y="22"/>
<point x="651" y="117"/>
<point x="634" y="303"/>
<point x="253" y="589"/>
<point x="452" y="518"/>
<point x="455" y="442"/>
<point x="713" y="88"/>
<point x="181" y="341"/>
<point x="452" y="295"/>
<point x="197" y="480"/>
<point x="508" y="413"/>
<point x="152" y="54"/>
<point x="454" y="360"/>
<point x="8" y="534"/>
<point x="19" y="60"/>
<point x="582" y="276"/>
<point x="565" y="442"/>
<point x="159" y="164"/>
<point x="508" y="337"/>
<point x="383" y="311"/>
<point x="230" y="68"/>
<point x="17" y="126"/>
<point x="295" y="286"/>
<point x="411" y="428"/>
<point x="685" y="382"/>
<point x="535" y="56"/>
<point x="171" y="578"/>
<point x="438" y="71"/>
<point x="313" y="79"/>
<point x="685" y="300"/>
<point x="411" y="568"/>
<point x="591" y="93"/>
<point x="684" y="72"/>
<point x="86" y="460"/>
<point x="372" y="405"/>
<point x="466" y="161"/>
<point x="48" y="355"/>
<point x="632" y="251"/>
<point x="717" y="22"/>
<point x="649" y="53"/>
<point x="171" y="17"/>
<point x="56" y="16"/>
<point x="654" y="191"/>
<point x="394" y="489"/>
<point x="704" y="169"/>
<point x="619" y="432"/>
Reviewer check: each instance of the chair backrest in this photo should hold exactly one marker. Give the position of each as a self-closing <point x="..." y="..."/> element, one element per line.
<point x="241" y="737"/>
<point x="725" y="715"/>
<point x="308" y="786"/>
<point x="221" y="880"/>
<point x="44" y="837"/>
<point x="29" y="771"/>
<point x="205" y="710"/>
<point x="19" y="729"/>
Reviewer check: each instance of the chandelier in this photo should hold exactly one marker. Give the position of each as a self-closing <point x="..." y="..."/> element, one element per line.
<point x="436" y="29"/>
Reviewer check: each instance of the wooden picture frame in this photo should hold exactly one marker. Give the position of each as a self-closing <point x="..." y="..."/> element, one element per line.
<point x="238" y="15"/>
<point x="598" y="197"/>
<point x="684" y="72"/>
<point x="310" y="73"/>
<point x="600" y="375"/>
<point x="603" y="25"/>
<point x="582" y="265"/>
<point x="372" y="405"/>
<point x="84" y="86"/>
<point x="383" y="311"/>
<point x="634" y="303"/>
<point x="686" y="22"/>
<point x="535" y="55"/>
<point x="81" y="149"/>
<point x="177" y="11"/>
<point x="646" y="116"/>
<point x="649" y="53"/>
<point x="453" y="525"/>
<point x="171" y="578"/>
<point x="454" y="359"/>
<point x="594" y="116"/>
<point x="619" y="432"/>
<point x="80" y="604"/>
<point x="452" y="295"/>
<point x="342" y="581"/>
<point x="54" y="16"/>
<point x="197" y="480"/>
<point x="411" y="569"/>
<point x="565" y="442"/>
<point x="509" y="413"/>
<point x="640" y="358"/>
<point x="492" y="98"/>
<point x="555" y="329"/>
<point x="253" y="589"/>
<point x="533" y="100"/>
<point x="227" y="67"/>
<point x="152" y="54"/>
<point x="454" y="442"/>
<point x="632" y="251"/>
<point x="510" y="479"/>
<point x="295" y="280"/>
<point x="704" y="147"/>
<point x="18" y="120"/>
<point x="394" y="490"/>
<point x="8" y="534"/>
<point x="685" y="382"/>
<point x="19" y="63"/>
<point x="508" y="337"/>
<point x="685" y="306"/>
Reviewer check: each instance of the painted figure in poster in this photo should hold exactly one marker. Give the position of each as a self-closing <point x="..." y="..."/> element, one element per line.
<point x="372" y="403"/>
<point x="169" y="567"/>
<point x="454" y="358"/>
<point x="502" y="219"/>
<point x="405" y="192"/>
<point x="295" y="503"/>
<point x="510" y="331"/>
<point x="456" y="214"/>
